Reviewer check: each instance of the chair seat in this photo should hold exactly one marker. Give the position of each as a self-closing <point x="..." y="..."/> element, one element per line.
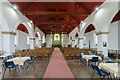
<point x="10" y="66"/>
<point x="83" y="59"/>
<point x="104" y="73"/>
<point x="30" y="61"/>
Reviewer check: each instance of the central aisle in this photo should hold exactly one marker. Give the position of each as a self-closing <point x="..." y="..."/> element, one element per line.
<point x="57" y="67"/>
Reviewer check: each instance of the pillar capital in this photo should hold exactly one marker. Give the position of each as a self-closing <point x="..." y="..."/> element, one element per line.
<point x="80" y="38"/>
<point x="7" y="32"/>
<point x="99" y="33"/>
<point x="32" y="38"/>
<point x="40" y="40"/>
<point x="73" y="40"/>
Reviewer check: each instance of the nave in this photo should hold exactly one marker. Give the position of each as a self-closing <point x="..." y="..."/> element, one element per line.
<point x="60" y="40"/>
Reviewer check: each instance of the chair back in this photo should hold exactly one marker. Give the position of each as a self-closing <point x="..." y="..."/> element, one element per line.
<point x="27" y="55"/>
<point x="9" y="64"/>
<point x="109" y="61"/>
<point x="92" y="54"/>
<point x="32" y="61"/>
<point x="96" y="69"/>
<point x="102" y="56"/>
<point x="10" y="56"/>
<point x="80" y="58"/>
<point x="94" y="59"/>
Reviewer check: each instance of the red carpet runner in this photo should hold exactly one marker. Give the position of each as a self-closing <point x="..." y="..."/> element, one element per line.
<point x="57" y="67"/>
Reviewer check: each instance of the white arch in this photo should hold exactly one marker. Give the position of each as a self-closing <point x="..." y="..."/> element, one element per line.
<point x="15" y="17"/>
<point x="85" y="27"/>
<point x="3" y="23"/>
<point x="73" y="33"/>
<point x="27" y="25"/>
<point x="101" y="19"/>
<point x="39" y="36"/>
<point x="37" y="30"/>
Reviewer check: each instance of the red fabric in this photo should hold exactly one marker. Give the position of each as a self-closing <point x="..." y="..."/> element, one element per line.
<point x="72" y="57"/>
<point x="67" y="57"/>
<point x="77" y="57"/>
<point x="57" y="67"/>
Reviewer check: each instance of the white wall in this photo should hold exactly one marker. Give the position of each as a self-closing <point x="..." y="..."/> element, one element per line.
<point x="65" y="39"/>
<point x="37" y="43"/>
<point x="113" y="36"/>
<point x="48" y="40"/>
<point x="101" y="19"/>
<point x="119" y="35"/>
<point x="73" y="33"/>
<point x="21" y="40"/>
<point x="90" y="36"/>
<point x="0" y="39"/>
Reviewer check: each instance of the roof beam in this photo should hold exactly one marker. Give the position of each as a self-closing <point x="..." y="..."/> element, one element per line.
<point x="55" y="23"/>
<point x="53" y="13"/>
<point x="76" y="19"/>
<point x="54" y="28"/>
<point x="69" y="24"/>
<point x="84" y="7"/>
<point x="28" y="5"/>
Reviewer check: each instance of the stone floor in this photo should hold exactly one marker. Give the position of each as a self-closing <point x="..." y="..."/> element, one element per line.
<point x="38" y="72"/>
<point x="78" y="69"/>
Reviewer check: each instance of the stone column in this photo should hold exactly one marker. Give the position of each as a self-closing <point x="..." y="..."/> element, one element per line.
<point x="73" y="43"/>
<point x="32" y="43"/>
<point x="40" y="43"/>
<point x="8" y="42"/>
<point x="80" y="43"/>
<point x="102" y="43"/>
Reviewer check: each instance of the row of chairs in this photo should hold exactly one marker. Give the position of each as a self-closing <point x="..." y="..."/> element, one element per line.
<point x="114" y="53"/>
<point x="38" y="52"/>
<point x="74" y="53"/>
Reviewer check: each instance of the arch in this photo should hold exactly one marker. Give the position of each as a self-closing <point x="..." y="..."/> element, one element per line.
<point x="89" y="28"/>
<point x="100" y="19"/>
<point x="111" y="19"/>
<point x="76" y="35"/>
<point x="26" y="25"/>
<point x="43" y="39"/>
<point x="37" y="31"/>
<point x="37" y="34"/>
<point x="116" y="17"/>
<point x="21" y="27"/>
<point x="84" y="27"/>
<point x="3" y="23"/>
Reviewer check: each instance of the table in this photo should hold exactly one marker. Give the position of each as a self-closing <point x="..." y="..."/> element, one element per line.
<point x="89" y="57"/>
<point x="19" y="60"/>
<point x="112" y="68"/>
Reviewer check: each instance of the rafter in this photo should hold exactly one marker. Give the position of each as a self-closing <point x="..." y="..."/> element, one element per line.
<point x="69" y="24"/>
<point x="52" y="13"/>
<point x="55" y="23"/>
<point x="54" y="28"/>
<point x="28" y="5"/>
<point x="81" y="4"/>
<point x="76" y="19"/>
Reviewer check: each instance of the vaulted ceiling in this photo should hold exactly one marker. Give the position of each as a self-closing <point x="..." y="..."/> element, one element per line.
<point x="56" y="17"/>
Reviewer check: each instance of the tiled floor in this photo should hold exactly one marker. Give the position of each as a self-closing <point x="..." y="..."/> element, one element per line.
<point x="31" y="72"/>
<point x="79" y="70"/>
